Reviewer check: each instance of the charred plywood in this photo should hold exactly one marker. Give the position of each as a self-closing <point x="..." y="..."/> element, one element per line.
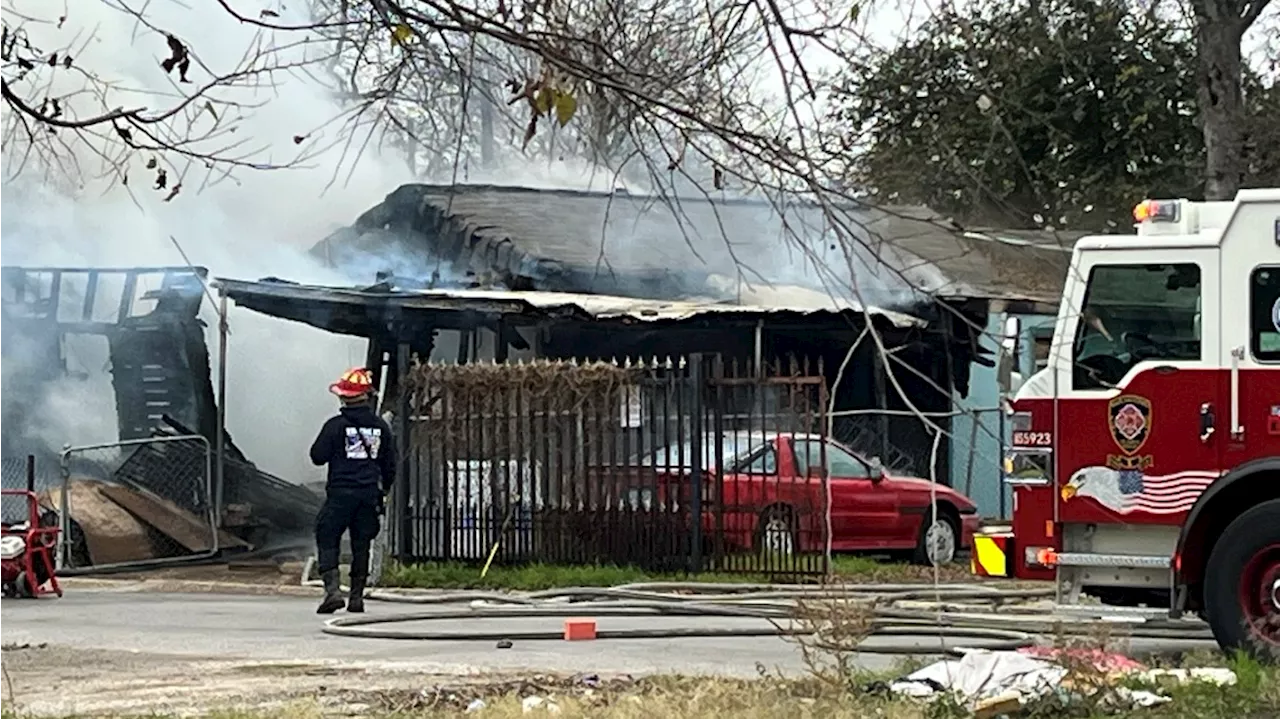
<point x="150" y="363"/>
<point x="188" y="530"/>
<point x="110" y="533"/>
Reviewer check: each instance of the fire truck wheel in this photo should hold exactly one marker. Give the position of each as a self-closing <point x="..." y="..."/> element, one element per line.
<point x="1242" y="583"/>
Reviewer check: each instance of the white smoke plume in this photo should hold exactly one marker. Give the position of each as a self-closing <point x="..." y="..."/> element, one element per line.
<point x="249" y="225"/>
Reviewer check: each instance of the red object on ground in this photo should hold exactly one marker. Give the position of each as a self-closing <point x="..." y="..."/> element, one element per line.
<point x="32" y="572"/>
<point x="576" y="630"/>
<point x="1103" y="661"/>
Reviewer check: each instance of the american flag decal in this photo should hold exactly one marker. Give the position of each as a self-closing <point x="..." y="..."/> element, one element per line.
<point x="1130" y="491"/>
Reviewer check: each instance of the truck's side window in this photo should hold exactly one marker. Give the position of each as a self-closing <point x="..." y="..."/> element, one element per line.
<point x="1133" y="313"/>
<point x="1264" y="313"/>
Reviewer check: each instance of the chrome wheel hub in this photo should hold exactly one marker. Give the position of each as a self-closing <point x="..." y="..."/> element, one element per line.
<point x="940" y="543"/>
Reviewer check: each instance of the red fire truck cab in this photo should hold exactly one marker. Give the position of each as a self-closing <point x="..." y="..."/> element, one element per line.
<point x="1145" y="457"/>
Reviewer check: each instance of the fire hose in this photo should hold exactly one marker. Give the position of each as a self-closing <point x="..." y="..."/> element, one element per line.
<point x="908" y="613"/>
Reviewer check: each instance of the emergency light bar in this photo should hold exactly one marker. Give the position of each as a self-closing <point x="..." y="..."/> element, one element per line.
<point x="1158" y="211"/>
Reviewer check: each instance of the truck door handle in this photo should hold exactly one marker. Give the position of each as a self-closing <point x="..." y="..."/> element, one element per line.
<point x="1206" y="422"/>
<point x="1236" y="429"/>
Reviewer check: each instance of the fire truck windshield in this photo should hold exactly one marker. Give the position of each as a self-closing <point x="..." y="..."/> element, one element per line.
<point x="1132" y="313"/>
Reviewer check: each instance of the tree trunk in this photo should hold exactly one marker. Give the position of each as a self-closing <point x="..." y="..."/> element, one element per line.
<point x="1221" y="104"/>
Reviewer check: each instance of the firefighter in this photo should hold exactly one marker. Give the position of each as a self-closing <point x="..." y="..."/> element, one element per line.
<point x="360" y="451"/>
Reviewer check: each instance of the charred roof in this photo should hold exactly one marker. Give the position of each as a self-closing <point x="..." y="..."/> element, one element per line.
<point x="680" y="247"/>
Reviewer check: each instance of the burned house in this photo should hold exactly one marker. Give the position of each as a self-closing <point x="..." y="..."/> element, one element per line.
<point x="62" y="325"/>
<point x="483" y="274"/>
<point x="718" y="252"/>
<point x="116" y="363"/>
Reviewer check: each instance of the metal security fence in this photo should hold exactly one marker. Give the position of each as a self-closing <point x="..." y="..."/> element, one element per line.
<point x="658" y="464"/>
<point x="137" y="503"/>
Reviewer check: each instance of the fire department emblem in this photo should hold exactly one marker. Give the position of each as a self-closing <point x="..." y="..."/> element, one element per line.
<point x="1130" y="421"/>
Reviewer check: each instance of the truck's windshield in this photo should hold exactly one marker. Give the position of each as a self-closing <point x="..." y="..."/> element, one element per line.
<point x="1133" y="313"/>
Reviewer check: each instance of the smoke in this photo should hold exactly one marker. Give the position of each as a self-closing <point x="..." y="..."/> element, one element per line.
<point x="249" y="225"/>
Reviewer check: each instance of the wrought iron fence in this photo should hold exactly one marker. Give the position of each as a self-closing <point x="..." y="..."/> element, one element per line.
<point x="658" y="464"/>
<point x="137" y="503"/>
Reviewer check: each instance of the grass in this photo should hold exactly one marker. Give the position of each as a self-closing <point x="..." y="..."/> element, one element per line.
<point x="534" y="577"/>
<point x="1256" y="695"/>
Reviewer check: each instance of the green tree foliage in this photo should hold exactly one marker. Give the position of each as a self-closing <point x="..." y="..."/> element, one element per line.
<point x="1060" y="113"/>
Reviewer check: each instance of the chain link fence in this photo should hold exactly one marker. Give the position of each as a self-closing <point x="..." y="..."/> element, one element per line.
<point x="137" y="503"/>
<point x="966" y="455"/>
<point x="13" y="508"/>
<point x="902" y="441"/>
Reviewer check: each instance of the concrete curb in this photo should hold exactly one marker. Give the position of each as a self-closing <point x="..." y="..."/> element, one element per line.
<point x="187" y="586"/>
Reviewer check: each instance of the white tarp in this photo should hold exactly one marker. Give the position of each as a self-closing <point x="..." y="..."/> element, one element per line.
<point x="982" y="674"/>
<point x="993" y="681"/>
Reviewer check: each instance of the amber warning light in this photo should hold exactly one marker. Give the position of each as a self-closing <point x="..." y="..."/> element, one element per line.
<point x="1157" y="211"/>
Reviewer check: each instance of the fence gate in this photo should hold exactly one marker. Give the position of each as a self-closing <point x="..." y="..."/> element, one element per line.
<point x="137" y="503"/>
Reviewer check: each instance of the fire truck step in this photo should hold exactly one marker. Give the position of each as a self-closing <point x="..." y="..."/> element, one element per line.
<point x="1131" y="561"/>
<point x="1112" y="613"/>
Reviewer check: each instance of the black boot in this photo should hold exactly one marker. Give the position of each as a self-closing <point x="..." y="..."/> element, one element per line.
<point x="332" y="601"/>
<point x="355" y="601"/>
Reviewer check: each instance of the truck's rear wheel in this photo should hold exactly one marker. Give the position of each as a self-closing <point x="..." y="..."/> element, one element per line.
<point x="1242" y="583"/>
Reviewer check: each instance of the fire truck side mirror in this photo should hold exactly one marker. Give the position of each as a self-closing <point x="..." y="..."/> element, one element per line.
<point x="1006" y="376"/>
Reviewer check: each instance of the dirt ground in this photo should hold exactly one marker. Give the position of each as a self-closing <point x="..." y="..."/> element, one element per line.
<point x="56" y="681"/>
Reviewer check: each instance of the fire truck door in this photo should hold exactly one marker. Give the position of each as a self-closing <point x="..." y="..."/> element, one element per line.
<point x="1250" y="418"/>
<point x="1144" y="377"/>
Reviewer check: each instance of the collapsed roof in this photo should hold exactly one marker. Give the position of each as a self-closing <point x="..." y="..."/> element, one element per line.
<point x="356" y="311"/>
<point x="676" y="248"/>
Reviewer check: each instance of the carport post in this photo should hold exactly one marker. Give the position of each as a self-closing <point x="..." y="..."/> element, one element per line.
<point x="401" y="510"/>
<point x="759" y="349"/>
<point x="220" y="442"/>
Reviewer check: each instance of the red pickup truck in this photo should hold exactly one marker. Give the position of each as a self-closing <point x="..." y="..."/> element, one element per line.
<point x="772" y="498"/>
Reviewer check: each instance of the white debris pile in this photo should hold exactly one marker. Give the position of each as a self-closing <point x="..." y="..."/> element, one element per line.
<point x="535" y="703"/>
<point x="995" y="683"/>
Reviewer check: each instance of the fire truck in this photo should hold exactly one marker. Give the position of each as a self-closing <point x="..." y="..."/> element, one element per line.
<point x="1144" y="458"/>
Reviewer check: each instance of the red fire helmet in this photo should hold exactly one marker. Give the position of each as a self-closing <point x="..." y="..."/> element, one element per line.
<point x="353" y="383"/>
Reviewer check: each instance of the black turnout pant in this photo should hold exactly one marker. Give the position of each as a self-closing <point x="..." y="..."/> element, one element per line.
<point x="357" y="511"/>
